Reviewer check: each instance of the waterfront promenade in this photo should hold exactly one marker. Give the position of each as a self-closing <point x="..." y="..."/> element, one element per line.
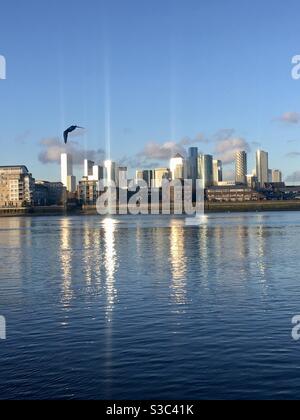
<point x="257" y="206"/>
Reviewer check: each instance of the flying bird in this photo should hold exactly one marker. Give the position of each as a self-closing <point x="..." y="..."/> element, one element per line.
<point x="69" y="131"/>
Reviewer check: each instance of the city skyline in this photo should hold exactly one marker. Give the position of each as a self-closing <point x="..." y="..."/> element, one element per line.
<point x="193" y="165"/>
<point x="180" y="167"/>
<point x="134" y="109"/>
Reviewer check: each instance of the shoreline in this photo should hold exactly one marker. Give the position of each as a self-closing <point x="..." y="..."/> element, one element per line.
<point x="89" y="210"/>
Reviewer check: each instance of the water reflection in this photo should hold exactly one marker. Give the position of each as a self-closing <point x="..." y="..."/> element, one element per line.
<point x="261" y="252"/>
<point x="110" y="263"/>
<point x="66" y="260"/>
<point x="87" y="256"/>
<point x="178" y="265"/>
<point x="204" y="253"/>
<point x="16" y="246"/>
<point x="91" y="254"/>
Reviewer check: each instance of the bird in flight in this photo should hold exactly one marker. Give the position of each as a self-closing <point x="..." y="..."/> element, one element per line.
<point x="69" y="131"/>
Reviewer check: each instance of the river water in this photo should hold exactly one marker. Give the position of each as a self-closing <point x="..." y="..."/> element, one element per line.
<point x="149" y="308"/>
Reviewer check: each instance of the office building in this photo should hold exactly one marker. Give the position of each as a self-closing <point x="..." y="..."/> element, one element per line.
<point x="217" y="172"/>
<point x="270" y="175"/>
<point x="88" y="168"/>
<point x="88" y="191"/>
<point x="67" y="178"/>
<point x="177" y="167"/>
<point x="71" y="184"/>
<point x="110" y="172"/>
<point x="98" y="173"/>
<point x="159" y="175"/>
<point x="277" y="176"/>
<point x="144" y="175"/>
<point x="262" y="167"/>
<point x="17" y="187"/>
<point x="139" y="176"/>
<point x="205" y="170"/>
<point x="192" y="164"/>
<point x="252" y="181"/>
<point x="123" y="177"/>
<point x="234" y="193"/>
<point x="241" y="167"/>
<point x="49" y="193"/>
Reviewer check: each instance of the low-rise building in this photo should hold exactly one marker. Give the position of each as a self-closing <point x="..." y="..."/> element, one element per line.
<point x="49" y="193"/>
<point x="88" y="191"/>
<point x="238" y="193"/>
<point x="16" y="187"/>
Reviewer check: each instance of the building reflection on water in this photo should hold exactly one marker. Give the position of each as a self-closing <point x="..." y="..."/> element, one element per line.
<point x="65" y="255"/>
<point x="178" y="265"/>
<point x="16" y="240"/>
<point x="92" y="255"/>
<point x="261" y="252"/>
<point x="110" y="264"/>
<point x="204" y="252"/>
<point x="87" y="254"/>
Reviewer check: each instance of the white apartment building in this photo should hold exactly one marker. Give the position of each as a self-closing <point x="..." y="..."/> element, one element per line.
<point x="16" y="187"/>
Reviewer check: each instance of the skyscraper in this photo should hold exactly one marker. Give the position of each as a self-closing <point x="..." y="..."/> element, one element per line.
<point x="110" y="172"/>
<point x="177" y="167"/>
<point x="205" y="170"/>
<point x="241" y="167"/>
<point x="67" y="178"/>
<point x="123" y="177"/>
<point x="146" y="175"/>
<point x="159" y="175"/>
<point x="262" y="167"/>
<point x="217" y="171"/>
<point x="88" y="168"/>
<point x="98" y="173"/>
<point x="270" y="175"/>
<point x="276" y="176"/>
<point x="71" y="184"/>
<point x="193" y="163"/>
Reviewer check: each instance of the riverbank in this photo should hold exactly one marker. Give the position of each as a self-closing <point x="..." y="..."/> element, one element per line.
<point x="256" y="206"/>
<point x="37" y="211"/>
<point x="234" y="207"/>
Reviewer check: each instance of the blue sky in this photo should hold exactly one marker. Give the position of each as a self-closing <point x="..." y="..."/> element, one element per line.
<point x="155" y="72"/>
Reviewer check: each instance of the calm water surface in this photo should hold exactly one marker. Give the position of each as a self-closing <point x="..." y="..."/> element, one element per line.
<point x="148" y="308"/>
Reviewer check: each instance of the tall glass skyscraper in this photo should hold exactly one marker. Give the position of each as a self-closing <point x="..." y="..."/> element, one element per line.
<point x="241" y="167"/>
<point x="206" y="170"/>
<point x="193" y="163"/>
<point x="262" y="167"/>
<point x="218" y="171"/>
<point x="67" y="178"/>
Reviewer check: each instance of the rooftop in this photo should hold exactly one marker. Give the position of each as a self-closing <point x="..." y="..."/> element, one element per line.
<point x="15" y="167"/>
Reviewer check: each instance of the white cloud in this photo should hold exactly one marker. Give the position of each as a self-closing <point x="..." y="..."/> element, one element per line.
<point x="290" y="118"/>
<point x="52" y="148"/>
<point x="165" y="151"/>
<point x="227" y="145"/>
